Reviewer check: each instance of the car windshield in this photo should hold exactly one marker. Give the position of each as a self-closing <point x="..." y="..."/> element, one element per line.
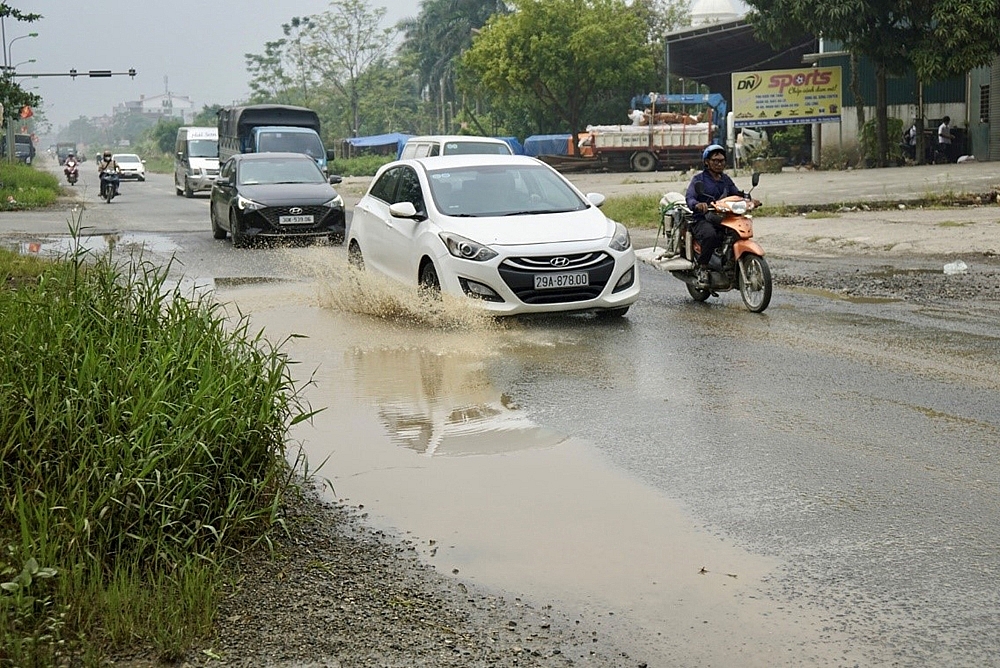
<point x="203" y="148"/>
<point x="279" y="170"/>
<point x="466" y="147"/>
<point x="502" y="190"/>
<point x="290" y="142"/>
<point x="126" y="158"/>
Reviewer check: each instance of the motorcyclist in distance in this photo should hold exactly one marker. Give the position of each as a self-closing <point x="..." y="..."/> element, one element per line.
<point x="705" y="224"/>
<point x="109" y="165"/>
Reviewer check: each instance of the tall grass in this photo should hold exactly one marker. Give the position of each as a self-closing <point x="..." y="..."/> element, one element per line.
<point x="24" y="187"/>
<point x="142" y="441"/>
<point x="634" y="211"/>
<point x="362" y="165"/>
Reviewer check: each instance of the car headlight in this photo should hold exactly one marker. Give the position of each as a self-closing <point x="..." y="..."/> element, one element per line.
<point x="336" y="202"/>
<point x="467" y="249"/>
<point x="739" y="208"/>
<point x="247" y="204"/>
<point x="621" y="241"/>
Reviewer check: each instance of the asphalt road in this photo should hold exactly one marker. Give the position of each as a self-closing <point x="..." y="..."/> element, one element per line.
<point x="844" y="450"/>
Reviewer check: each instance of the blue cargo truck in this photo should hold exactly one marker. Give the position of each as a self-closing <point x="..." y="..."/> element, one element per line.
<point x="266" y="128"/>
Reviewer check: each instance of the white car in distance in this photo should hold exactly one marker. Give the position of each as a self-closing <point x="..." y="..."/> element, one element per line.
<point x="508" y="231"/>
<point x="131" y="165"/>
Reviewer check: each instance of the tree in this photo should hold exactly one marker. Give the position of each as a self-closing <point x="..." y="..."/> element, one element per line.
<point x="208" y="116"/>
<point x="560" y="54"/>
<point x="434" y="41"/>
<point x="340" y="45"/>
<point x="661" y="17"/>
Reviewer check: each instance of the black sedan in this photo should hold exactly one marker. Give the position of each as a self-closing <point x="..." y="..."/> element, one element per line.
<point x="275" y="195"/>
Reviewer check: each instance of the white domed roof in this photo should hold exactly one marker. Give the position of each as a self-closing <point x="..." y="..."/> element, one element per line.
<point x="712" y="11"/>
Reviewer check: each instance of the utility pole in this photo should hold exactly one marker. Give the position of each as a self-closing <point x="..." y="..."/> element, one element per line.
<point x="11" y="74"/>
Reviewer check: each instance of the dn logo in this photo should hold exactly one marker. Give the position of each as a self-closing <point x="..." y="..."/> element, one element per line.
<point x="749" y="82"/>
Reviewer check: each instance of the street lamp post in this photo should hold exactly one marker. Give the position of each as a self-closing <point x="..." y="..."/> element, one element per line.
<point x="8" y="59"/>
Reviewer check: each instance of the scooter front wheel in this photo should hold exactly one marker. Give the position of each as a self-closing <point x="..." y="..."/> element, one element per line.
<point x="755" y="282"/>
<point x="697" y="293"/>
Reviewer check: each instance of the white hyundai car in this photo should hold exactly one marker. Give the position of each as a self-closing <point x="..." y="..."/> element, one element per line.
<point x="131" y="165"/>
<point x="508" y="231"/>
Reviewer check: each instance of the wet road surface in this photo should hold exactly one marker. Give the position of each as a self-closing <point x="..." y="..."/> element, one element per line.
<point x="817" y="485"/>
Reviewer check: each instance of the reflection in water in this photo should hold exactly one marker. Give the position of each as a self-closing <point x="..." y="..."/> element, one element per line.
<point x="444" y="404"/>
<point x="62" y="246"/>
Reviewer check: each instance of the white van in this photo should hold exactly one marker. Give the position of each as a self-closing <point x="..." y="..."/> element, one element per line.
<point x="196" y="159"/>
<point x="431" y="145"/>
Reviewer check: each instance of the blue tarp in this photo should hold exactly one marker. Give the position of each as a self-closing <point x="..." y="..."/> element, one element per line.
<point x="393" y="138"/>
<point x="514" y="144"/>
<point x="547" y="145"/>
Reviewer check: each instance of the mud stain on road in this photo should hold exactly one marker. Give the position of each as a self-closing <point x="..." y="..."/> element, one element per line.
<point x="414" y="431"/>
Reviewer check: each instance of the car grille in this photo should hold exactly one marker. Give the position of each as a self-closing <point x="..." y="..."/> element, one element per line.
<point x="212" y="172"/>
<point x="271" y="214"/>
<point x="519" y="275"/>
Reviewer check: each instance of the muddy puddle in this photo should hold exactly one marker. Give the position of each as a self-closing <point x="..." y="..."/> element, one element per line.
<point x="415" y="431"/>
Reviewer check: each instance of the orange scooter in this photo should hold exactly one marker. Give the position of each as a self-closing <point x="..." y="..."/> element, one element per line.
<point x="739" y="261"/>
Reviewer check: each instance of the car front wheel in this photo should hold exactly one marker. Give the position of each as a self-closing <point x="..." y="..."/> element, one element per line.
<point x="429" y="279"/>
<point x="239" y="239"/>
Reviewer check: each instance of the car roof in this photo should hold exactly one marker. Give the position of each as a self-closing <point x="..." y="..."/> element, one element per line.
<point x="472" y="160"/>
<point x="131" y="155"/>
<point x="270" y="155"/>
<point x="459" y="138"/>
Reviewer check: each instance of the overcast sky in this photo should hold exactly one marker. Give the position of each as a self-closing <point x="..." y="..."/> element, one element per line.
<point x="197" y="45"/>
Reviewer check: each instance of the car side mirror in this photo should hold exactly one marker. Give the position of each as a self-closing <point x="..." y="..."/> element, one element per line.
<point x="597" y="199"/>
<point x="403" y="210"/>
<point x="335" y="179"/>
<point x="331" y="155"/>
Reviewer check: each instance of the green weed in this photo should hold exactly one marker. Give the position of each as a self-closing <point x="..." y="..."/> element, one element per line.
<point x="142" y="442"/>
<point x="24" y="187"/>
<point x="634" y="211"/>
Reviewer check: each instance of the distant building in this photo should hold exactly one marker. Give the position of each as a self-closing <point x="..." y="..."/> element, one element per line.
<point x="707" y="12"/>
<point x="167" y="105"/>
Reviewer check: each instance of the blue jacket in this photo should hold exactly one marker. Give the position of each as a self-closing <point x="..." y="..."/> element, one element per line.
<point x="714" y="190"/>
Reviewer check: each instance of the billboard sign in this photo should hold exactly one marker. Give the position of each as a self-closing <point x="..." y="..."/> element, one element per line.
<point x="787" y="97"/>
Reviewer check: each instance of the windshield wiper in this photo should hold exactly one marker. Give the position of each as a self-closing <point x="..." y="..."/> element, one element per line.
<point x="532" y="212"/>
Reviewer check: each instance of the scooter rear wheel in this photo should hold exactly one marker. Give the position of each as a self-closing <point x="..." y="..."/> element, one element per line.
<point x="755" y="282"/>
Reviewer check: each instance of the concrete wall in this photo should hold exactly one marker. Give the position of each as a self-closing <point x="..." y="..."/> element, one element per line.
<point x="845" y="133"/>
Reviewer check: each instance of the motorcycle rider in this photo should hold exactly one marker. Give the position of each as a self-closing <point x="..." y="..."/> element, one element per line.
<point x="70" y="164"/>
<point x="110" y="166"/>
<point x="706" y="225"/>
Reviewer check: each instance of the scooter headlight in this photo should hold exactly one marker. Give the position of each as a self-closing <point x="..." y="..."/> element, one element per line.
<point x="739" y="208"/>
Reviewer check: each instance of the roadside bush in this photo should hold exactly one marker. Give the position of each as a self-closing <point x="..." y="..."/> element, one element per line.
<point x="142" y="442"/>
<point x="25" y="187"/>
<point x="869" y="142"/>
<point x="363" y="165"/>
